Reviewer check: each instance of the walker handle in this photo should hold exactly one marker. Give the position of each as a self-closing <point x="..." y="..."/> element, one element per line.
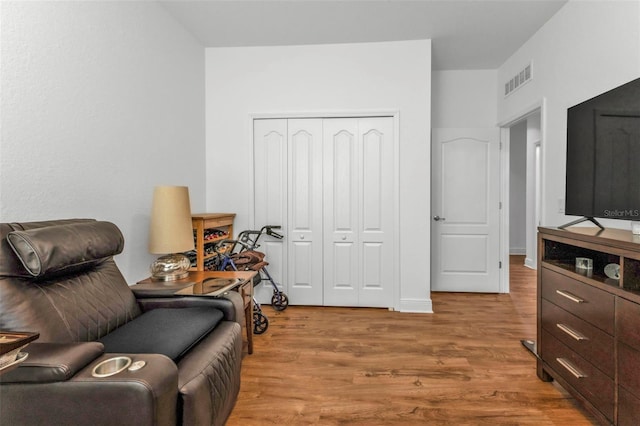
<point x="271" y="232"/>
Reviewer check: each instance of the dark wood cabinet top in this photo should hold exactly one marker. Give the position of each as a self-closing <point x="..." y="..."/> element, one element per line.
<point x="610" y="237"/>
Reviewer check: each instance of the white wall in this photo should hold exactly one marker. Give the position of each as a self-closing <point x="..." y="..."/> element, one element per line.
<point x="587" y="48"/>
<point x="326" y="78"/>
<point x="101" y="101"/>
<point x="532" y="192"/>
<point x="464" y="99"/>
<point x="518" y="188"/>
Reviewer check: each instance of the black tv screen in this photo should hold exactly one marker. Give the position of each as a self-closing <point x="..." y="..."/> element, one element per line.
<point x="603" y="155"/>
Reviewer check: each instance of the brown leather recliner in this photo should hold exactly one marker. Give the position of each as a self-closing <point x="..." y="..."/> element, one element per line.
<point x="58" y="278"/>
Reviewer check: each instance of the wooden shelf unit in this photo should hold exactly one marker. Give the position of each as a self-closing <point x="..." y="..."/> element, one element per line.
<point x="588" y="337"/>
<point x="201" y="223"/>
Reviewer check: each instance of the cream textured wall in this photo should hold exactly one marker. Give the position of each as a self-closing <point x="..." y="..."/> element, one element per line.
<point x="101" y="101"/>
<point x="587" y="48"/>
<point x="326" y="78"/>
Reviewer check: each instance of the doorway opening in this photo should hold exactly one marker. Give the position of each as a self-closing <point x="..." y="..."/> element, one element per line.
<point x="523" y="184"/>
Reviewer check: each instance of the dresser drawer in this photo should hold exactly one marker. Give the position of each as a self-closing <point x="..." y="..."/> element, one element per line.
<point x="590" y="382"/>
<point x="587" y="340"/>
<point x="589" y="303"/>
<point x="628" y="408"/>
<point x="628" y="372"/>
<point x="627" y="329"/>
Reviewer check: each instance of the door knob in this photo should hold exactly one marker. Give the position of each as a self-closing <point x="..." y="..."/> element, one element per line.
<point x="344" y="237"/>
<point x="438" y="218"/>
<point x="302" y="237"/>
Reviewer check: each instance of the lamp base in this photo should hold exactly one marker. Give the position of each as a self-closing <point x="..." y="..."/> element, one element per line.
<point x="170" y="267"/>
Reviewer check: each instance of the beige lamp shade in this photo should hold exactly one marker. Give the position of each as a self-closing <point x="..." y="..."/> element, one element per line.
<point x="170" y="230"/>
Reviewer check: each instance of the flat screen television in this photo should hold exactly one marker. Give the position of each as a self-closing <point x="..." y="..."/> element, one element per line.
<point x="603" y="156"/>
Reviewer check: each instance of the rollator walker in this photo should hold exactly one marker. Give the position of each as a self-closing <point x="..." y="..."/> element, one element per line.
<point x="241" y="255"/>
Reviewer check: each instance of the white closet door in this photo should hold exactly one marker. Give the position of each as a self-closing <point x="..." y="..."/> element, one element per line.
<point x="340" y="212"/>
<point x="330" y="184"/>
<point x="376" y="200"/>
<point x="305" y="212"/>
<point x="270" y="197"/>
<point x="358" y="206"/>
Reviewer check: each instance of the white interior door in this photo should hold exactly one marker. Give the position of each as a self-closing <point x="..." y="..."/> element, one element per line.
<point x="465" y="210"/>
<point x="305" y="211"/>
<point x="270" y="196"/>
<point x="358" y="211"/>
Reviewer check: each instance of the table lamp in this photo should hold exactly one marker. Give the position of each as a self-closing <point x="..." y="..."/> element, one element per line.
<point x="170" y="232"/>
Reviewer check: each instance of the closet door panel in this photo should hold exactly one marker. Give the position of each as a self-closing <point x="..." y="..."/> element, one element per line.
<point x="343" y="188"/>
<point x="376" y="137"/>
<point x="305" y="211"/>
<point x="270" y="196"/>
<point x="342" y="272"/>
<point x="372" y="160"/>
<point x="373" y="265"/>
<point x="341" y="279"/>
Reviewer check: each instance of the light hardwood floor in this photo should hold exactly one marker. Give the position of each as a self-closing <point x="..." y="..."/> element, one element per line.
<point x="462" y="365"/>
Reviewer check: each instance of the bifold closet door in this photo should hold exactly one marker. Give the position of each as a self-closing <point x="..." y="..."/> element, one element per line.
<point x="270" y="196"/>
<point x="288" y="192"/>
<point x="304" y="263"/>
<point x="358" y="211"/>
<point x="329" y="184"/>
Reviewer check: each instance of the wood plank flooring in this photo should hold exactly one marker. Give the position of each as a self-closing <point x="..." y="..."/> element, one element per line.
<point x="462" y="365"/>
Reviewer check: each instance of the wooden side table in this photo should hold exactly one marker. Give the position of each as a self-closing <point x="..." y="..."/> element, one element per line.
<point x="207" y="284"/>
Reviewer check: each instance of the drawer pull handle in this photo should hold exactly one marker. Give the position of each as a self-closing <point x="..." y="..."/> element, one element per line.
<point x="571" y="369"/>
<point x="570" y="296"/>
<point x="571" y="332"/>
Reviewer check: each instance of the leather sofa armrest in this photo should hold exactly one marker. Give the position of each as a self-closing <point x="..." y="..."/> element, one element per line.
<point x="238" y="305"/>
<point x="147" y="396"/>
<point x="53" y="362"/>
<point x="225" y="305"/>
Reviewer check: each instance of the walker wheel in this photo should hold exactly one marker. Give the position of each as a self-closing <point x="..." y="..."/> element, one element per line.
<point x="279" y="303"/>
<point x="260" y="323"/>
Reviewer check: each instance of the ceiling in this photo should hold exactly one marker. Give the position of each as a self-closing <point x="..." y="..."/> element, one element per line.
<point x="465" y="34"/>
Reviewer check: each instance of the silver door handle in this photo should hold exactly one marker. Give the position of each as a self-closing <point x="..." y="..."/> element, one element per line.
<point x="438" y="218"/>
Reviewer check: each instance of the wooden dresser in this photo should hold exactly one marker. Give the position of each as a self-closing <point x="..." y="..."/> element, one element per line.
<point x="589" y="323"/>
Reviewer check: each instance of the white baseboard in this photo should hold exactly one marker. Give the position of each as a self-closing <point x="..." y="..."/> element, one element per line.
<point x="517" y="251"/>
<point x="424" y="306"/>
<point x="530" y="263"/>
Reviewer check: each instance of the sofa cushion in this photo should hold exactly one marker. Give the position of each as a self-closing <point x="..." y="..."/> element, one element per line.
<point x="171" y="332"/>
<point x="65" y="248"/>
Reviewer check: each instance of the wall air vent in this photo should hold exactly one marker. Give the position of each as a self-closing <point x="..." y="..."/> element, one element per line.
<point x="521" y="78"/>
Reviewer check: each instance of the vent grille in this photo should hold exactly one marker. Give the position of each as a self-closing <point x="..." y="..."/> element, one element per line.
<point x="519" y="80"/>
